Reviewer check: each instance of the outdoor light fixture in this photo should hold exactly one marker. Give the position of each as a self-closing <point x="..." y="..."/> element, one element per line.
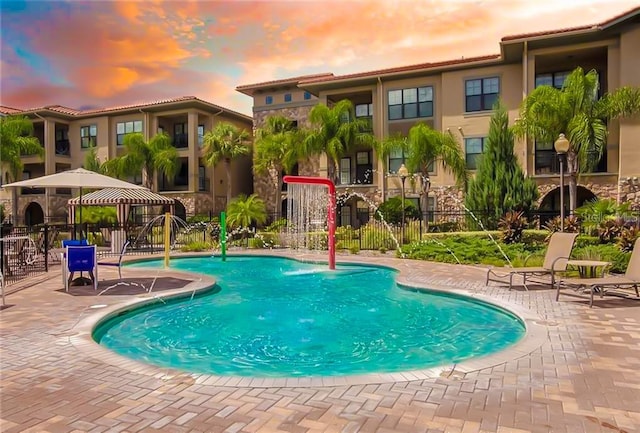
<point x="562" y="147"/>
<point x="403" y="173"/>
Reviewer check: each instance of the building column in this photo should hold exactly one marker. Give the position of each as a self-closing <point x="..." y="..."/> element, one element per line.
<point x="49" y="161"/>
<point x="193" y="164"/>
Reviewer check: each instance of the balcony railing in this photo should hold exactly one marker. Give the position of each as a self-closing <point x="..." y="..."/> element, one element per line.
<point x="62" y="147"/>
<point x="547" y="162"/>
<point x="32" y="191"/>
<point x="180" y="141"/>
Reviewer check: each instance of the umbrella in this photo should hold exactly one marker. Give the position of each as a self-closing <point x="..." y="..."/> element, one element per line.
<point x="77" y="178"/>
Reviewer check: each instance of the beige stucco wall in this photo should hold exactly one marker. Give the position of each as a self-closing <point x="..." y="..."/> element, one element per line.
<point x="630" y="128"/>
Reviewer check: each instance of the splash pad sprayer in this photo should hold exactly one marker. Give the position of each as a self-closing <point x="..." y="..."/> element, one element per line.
<point x="167" y="238"/>
<point x="331" y="211"/>
<point x="223" y="236"/>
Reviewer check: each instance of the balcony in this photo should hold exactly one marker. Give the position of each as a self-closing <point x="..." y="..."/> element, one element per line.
<point x="180" y="141"/>
<point x="32" y="191"/>
<point x="62" y="147"/>
<point x="547" y="163"/>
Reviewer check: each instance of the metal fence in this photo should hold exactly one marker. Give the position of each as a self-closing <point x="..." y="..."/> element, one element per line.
<point x="30" y="251"/>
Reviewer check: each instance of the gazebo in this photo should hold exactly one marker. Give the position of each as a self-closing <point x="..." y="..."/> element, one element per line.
<point x="122" y="199"/>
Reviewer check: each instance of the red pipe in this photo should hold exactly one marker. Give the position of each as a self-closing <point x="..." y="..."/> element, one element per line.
<point x="331" y="215"/>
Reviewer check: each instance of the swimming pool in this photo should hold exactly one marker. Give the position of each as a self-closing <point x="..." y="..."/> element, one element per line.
<point x="277" y="317"/>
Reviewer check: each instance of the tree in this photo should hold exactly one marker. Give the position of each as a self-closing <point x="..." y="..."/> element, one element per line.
<point x="156" y="156"/>
<point x="243" y="211"/>
<point x="92" y="162"/>
<point x="576" y="111"/>
<point x="276" y="150"/>
<point x="335" y="131"/>
<point x="225" y="143"/>
<point x="499" y="185"/>
<point x="16" y="139"/>
<point x="426" y="146"/>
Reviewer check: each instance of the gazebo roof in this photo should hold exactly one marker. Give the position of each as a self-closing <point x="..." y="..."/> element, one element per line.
<point x="115" y="196"/>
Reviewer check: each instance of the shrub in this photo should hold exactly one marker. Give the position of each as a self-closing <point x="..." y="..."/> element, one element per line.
<point x="571" y="225"/>
<point x="196" y="247"/>
<point x="277" y="226"/>
<point x="610" y="229"/>
<point x="201" y="218"/>
<point x="512" y="226"/>
<point x="256" y="243"/>
<point x="391" y="210"/>
<point x="445" y="227"/>
<point x="373" y="238"/>
<point x="354" y="249"/>
<point x="628" y="238"/>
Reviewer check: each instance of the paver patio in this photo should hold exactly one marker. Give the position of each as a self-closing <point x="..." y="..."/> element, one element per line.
<point x="583" y="377"/>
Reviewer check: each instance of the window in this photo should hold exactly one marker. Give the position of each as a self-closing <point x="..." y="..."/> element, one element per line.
<point x="287" y="97"/>
<point x="124" y="128"/>
<point x="345" y="171"/>
<point x="88" y="136"/>
<point x="364" y="169"/>
<point x="268" y="100"/>
<point x="473" y="149"/>
<point x="555" y="79"/>
<point x="202" y="178"/>
<point x="365" y="112"/>
<point x="180" y="136"/>
<point x="200" y="135"/>
<point x="62" y="141"/>
<point x="307" y="96"/>
<point x="482" y="93"/>
<point x="396" y="159"/>
<point x="411" y="103"/>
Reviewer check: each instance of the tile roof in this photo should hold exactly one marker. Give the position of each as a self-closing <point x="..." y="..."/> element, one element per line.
<point x="74" y="112"/>
<point x="9" y="110"/>
<point x="408" y="68"/>
<point x="283" y="81"/>
<point x="599" y="26"/>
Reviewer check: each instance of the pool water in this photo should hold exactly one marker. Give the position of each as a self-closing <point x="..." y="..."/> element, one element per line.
<point x="276" y="317"/>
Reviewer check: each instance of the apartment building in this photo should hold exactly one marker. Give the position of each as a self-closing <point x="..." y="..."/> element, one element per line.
<point x="457" y="96"/>
<point x="67" y="134"/>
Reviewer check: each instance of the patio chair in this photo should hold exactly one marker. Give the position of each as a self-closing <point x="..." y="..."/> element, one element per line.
<point x="123" y="252"/>
<point x="555" y="260"/>
<point x="80" y="259"/>
<point x="631" y="279"/>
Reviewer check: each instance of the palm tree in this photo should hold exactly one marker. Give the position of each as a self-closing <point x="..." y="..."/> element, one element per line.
<point x="156" y="156"/>
<point x="575" y="111"/>
<point x="276" y="151"/>
<point x="92" y="162"/>
<point x="244" y="211"/>
<point x="223" y="144"/>
<point x="335" y="131"/>
<point x="16" y="139"/>
<point x="425" y="146"/>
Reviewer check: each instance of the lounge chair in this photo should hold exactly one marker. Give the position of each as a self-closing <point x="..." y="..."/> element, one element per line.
<point x="555" y="260"/>
<point x="80" y="259"/>
<point x="631" y="279"/>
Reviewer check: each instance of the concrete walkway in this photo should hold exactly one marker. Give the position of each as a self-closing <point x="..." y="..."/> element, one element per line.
<point x="579" y="373"/>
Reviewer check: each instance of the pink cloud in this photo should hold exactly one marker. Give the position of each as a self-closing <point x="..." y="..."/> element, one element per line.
<point x="109" y="52"/>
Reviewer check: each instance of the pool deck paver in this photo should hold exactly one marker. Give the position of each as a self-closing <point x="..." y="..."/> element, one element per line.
<point x="583" y="377"/>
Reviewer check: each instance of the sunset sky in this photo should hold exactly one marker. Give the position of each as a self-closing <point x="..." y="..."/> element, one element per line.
<point x="91" y="54"/>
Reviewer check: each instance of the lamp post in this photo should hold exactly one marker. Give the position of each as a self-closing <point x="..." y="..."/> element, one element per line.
<point x="562" y="147"/>
<point x="403" y="173"/>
